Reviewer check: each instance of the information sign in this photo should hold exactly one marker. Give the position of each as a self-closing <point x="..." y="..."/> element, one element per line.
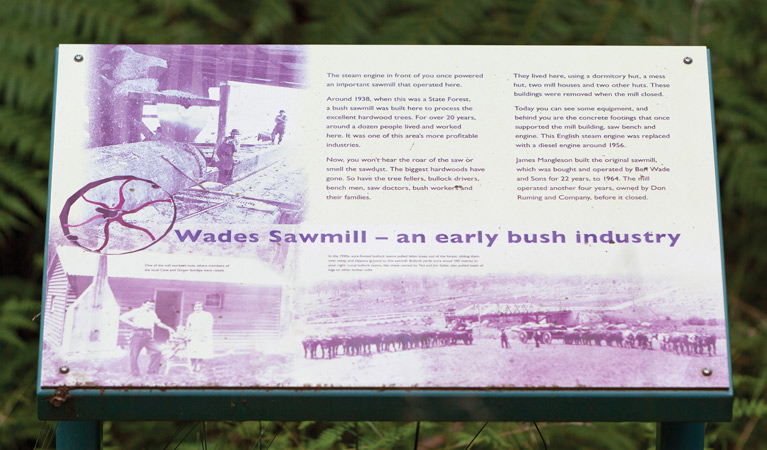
<point x="388" y="218"/>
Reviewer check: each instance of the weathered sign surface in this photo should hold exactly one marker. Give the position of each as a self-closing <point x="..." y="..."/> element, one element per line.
<point x="384" y="217"/>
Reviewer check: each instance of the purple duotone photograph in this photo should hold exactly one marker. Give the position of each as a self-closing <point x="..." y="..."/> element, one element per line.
<point x="161" y="274"/>
<point x="178" y="137"/>
<point x="512" y="331"/>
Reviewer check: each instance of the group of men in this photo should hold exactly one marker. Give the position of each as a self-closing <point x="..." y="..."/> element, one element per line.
<point x="231" y="145"/>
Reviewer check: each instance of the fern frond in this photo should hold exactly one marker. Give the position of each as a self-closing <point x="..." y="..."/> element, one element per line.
<point x="27" y="134"/>
<point x="435" y="22"/>
<point x="15" y="316"/>
<point x="269" y="20"/>
<point x="341" y="21"/>
<point x="17" y="177"/>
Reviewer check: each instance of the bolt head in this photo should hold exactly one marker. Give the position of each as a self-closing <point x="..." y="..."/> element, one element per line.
<point x="687" y="60"/>
<point x="706" y="372"/>
<point x="79" y="58"/>
<point x="64" y="369"/>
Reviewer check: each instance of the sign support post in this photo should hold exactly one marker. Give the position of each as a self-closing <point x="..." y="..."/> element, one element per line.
<point x="680" y="436"/>
<point x="78" y="435"/>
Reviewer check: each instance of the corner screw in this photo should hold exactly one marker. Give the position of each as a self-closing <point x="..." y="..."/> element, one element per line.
<point x="706" y="372"/>
<point x="687" y="60"/>
<point x="79" y="58"/>
<point x="64" y="369"/>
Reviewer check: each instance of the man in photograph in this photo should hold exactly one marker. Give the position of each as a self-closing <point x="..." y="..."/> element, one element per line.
<point x="143" y="320"/>
<point x="225" y="153"/>
<point x="504" y="339"/>
<point x="157" y="136"/>
<point x="279" y="126"/>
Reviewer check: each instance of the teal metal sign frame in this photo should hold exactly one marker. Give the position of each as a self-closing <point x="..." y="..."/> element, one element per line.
<point x="681" y="414"/>
<point x="350" y="405"/>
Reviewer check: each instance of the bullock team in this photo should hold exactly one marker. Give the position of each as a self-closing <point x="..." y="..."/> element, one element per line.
<point x="678" y="342"/>
<point x="612" y="338"/>
<point x="688" y="343"/>
<point x="364" y="344"/>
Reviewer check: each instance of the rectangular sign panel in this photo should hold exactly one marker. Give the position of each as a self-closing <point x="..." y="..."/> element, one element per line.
<point x="384" y="217"/>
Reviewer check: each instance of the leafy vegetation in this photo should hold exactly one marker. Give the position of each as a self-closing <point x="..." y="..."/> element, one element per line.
<point x="735" y="32"/>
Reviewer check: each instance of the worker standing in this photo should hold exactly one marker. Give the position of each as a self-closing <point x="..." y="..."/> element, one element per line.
<point x="279" y="126"/>
<point x="225" y="153"/>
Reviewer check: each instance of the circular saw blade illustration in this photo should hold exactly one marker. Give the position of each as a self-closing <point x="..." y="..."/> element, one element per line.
<point x="118" y="215"/>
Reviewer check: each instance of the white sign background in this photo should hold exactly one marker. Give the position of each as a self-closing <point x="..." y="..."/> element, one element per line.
<point x="505" y="88"/>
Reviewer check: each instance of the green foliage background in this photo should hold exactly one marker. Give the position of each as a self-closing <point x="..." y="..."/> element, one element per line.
<point x="734" y="30"/>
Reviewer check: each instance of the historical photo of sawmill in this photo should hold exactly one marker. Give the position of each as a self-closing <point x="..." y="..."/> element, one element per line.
<point x="151" y="318"/>
<point x="490" y="331"/>
<point x="177" y="138"/>
<point x="212" y="126"/>
<point x="505" y="330"/>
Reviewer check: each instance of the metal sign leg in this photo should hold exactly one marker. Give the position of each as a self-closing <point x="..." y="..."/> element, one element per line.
<point x="78" y="435"/>
<point x="680" y="436"/>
